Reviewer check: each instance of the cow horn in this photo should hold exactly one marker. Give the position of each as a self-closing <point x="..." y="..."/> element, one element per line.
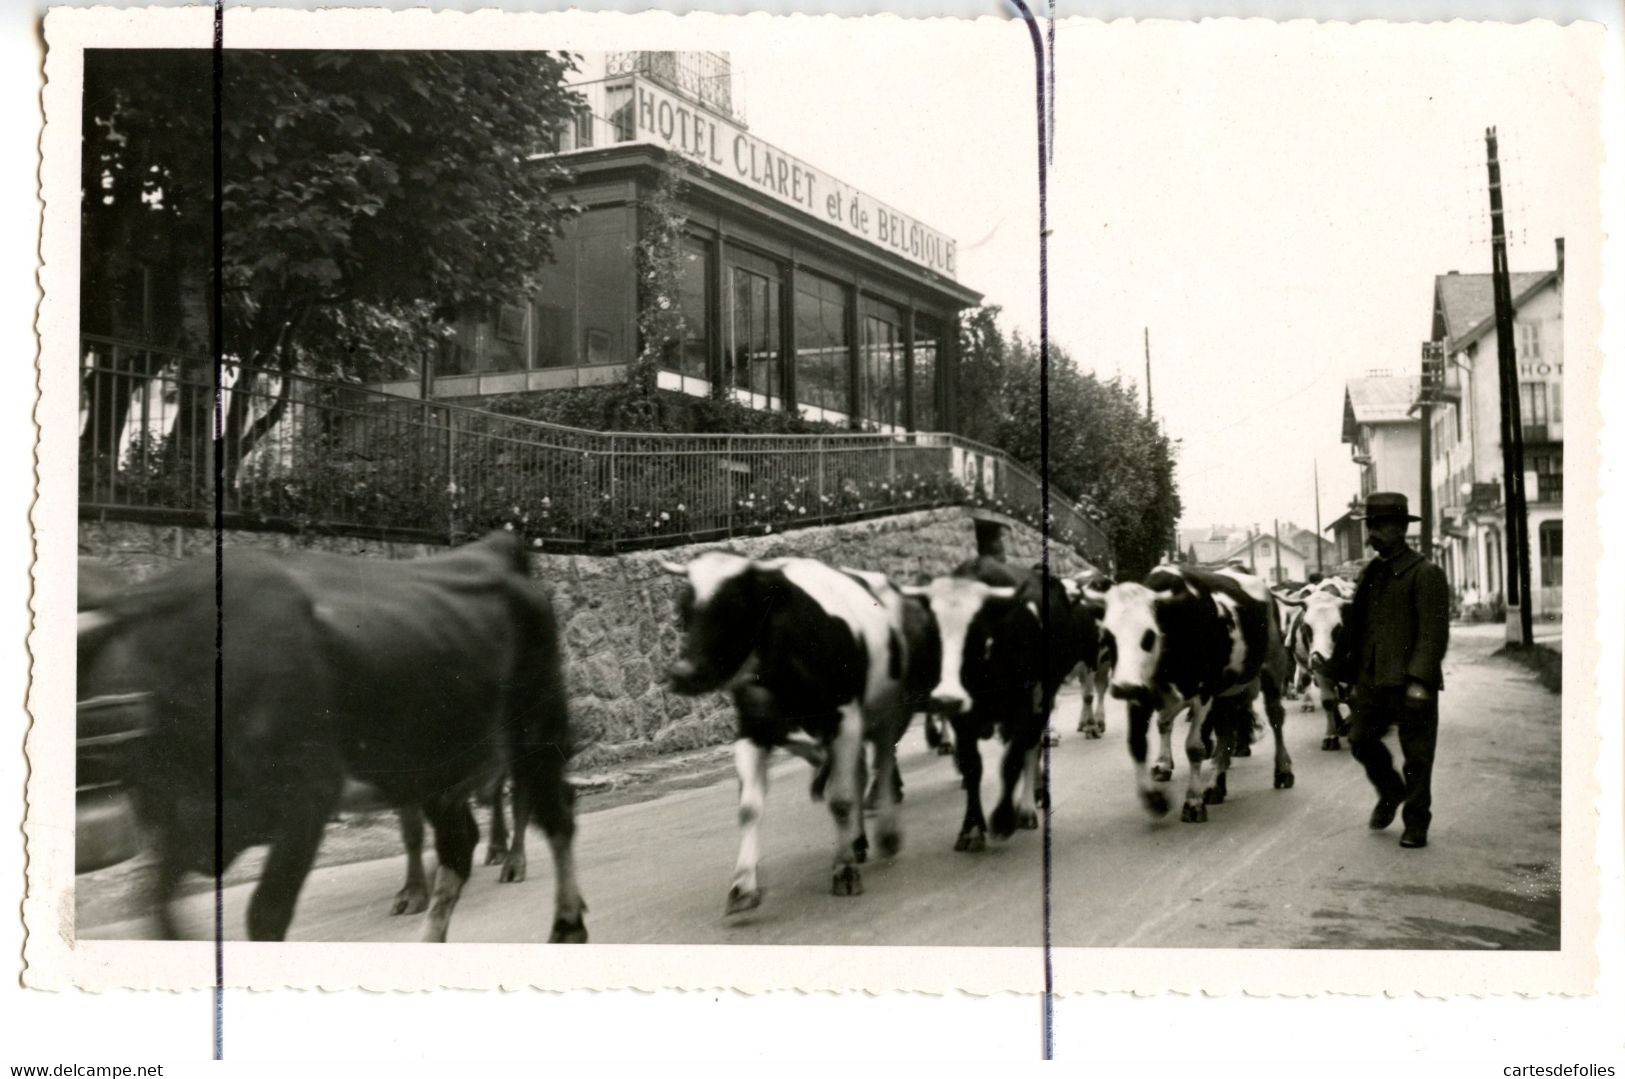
<point x="918" y="591"/>
<point x="1290" y="602"/>
<point x="1001" y="591"/>
<point x="674" y="569"/>
<point x="1093" y="596"/>
<point x="93" y="622"/>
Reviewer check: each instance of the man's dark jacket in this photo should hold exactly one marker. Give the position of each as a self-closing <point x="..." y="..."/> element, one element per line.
<point x="1397" y="626"/>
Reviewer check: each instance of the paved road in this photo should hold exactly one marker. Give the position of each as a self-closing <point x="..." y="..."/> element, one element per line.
<point x="1295" y="868"/>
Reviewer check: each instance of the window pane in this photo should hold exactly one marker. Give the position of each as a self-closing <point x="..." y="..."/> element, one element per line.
<point x="1554" y="391"/>
<point x="1551" y="554"/>
<point x="821" y="345"/>
<point x="753" y="354"/>
<point x="689" y="355"/>
<point x="926" y="336"/>
<point x="880" y="367"/>
<point x="605" y="300"/>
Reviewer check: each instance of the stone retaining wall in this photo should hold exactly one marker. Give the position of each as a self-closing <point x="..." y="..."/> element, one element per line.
<point x="618" y="613"/>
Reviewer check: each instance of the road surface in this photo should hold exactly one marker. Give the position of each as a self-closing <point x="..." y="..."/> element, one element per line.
<point x="1295" y="868"/>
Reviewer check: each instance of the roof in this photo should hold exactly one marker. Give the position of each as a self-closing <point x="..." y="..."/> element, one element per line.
<point x="1246" y="546"/>
<point x="1464" y="303"/>
<point x="1379" y="400"/>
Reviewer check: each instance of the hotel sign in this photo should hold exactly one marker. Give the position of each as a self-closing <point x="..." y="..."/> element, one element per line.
<point x="723" y="147"/>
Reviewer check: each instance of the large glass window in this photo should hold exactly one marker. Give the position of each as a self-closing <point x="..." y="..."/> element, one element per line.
<point x="822" y="380"/>
<point x="689" y="356"/>
<point x="752" y="352"/>
<point x="582" y="311"/>
<point x="927" y="339"/>
<point x="880" y="367"/>
<point x="494" y="342"/>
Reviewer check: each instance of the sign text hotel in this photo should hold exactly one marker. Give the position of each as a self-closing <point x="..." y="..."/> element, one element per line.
<point x="719" y="145"/>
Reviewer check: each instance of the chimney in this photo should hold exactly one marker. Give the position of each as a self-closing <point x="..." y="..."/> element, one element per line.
<point x="1560" y="256"/>
<point x="1451" y="273"/>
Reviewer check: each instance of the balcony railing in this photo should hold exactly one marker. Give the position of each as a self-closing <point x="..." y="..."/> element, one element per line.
<point x="306" y="454"/>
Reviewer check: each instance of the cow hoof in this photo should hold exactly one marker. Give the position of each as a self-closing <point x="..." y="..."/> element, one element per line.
<point x="412" y="899"/>
<point x="1027" y="820"/>
<point x="1331" y="743"/>
<point x="1213" y="796"/>
<point x="1093" y="732"/>
<point x="1156" y="802"/>
<point x="1003" y="822"/>
<point x="973" y="841"/>
<point x="513" y="869"/>
<point x="1162" y="773"/>
<point x="568" y="931"/>
<point x="1194" y="813"/>
<point x="847" y="881"/>
<point x="741" y="899"/>
<point x="1343" y="727"/>
<point x="1283" y="780"/>
<point x="860" y="849"/>
<point x="890" y="844"/>
<point x="1242" y="751"/>
<point x="495" y="854"/>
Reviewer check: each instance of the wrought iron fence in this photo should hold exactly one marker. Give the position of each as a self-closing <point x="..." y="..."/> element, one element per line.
<point x="300" y="453"/>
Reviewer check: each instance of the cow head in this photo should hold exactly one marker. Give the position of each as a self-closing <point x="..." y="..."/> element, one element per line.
<point x="1131" y="640"/>
<point x="965" y="611"/>
<point x="1322" y="624"/>
<point x="719" y="610"/>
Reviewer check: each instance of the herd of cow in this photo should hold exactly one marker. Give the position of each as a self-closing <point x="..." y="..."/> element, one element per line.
<point x="431" y="680"/>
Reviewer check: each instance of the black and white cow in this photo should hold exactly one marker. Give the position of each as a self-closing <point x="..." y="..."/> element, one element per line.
<point x="829" y="650"/>
<point x="1007" y="644"/>
<point x="423" y="679"/>
<point x="1094" y="676"/>
<point x="1316" y="625"/>
<point x="1190" y="639"/>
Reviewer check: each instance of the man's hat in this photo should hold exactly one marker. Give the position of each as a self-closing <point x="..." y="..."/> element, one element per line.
<point x="1387" y="506"/>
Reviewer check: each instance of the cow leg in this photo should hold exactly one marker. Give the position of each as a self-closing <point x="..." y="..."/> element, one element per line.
<point x="270" y="911"/>
<point x="1328" y="702"/>
<point x="455" y="836"/>
<point x="1102" y="678"/>
<point x="1277" y="717"/>
<point x="1086" y="714"/>
<point x="843" y="792"/>
<point x="885" y="788"/>
<point x="515" y="863"/>
<point x="1195" y="811"/>
<point x="1163" y="771"/>
<point x="553" y="798"/>
<point x="496" y="852"/>
<point x="968" y="755"/>
<point x="1139" y="730"/>
<point x="413" y="898"/>
<point x="1223" y="746"/>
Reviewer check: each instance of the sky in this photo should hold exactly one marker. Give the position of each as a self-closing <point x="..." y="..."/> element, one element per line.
<point x="1270" y="201"/>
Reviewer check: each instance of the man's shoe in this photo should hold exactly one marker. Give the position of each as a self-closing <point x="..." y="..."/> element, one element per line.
<point x="1413" y="837"/>
<point x="1383" y="815"/>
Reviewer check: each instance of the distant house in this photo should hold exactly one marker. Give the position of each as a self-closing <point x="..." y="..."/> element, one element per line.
<point x="1276" y="562"/>
<point x="1466" y="434"/>
<point x="1383" y="433"/>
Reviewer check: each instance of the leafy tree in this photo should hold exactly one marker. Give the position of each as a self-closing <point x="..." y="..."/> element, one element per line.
<point x="1102" y="448"/>
<point x="367" y="197"/>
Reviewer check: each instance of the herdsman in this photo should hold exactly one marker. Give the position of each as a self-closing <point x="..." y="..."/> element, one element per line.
<point x="1392" y="647"/>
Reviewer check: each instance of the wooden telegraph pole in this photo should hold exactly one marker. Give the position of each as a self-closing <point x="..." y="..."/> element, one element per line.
<point x="1277" y="550"/>
<point x="1519" y="599"/>
<point x="1320" y="550"/>
<point x="1432" y="377"/>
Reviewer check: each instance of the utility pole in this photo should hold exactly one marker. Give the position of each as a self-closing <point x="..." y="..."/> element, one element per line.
<point x="1519" y="599"/>
<point x="1277" y="550"/>
<point x="1432" y="377"/>
<point x="1320" y="549"/>
<point x="1149" y="414"/>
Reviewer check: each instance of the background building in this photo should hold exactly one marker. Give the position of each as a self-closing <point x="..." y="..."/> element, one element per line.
<point x="797" y="291"/>
<point x="1466" y="434"/>
<point x="1383" y="434"/>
